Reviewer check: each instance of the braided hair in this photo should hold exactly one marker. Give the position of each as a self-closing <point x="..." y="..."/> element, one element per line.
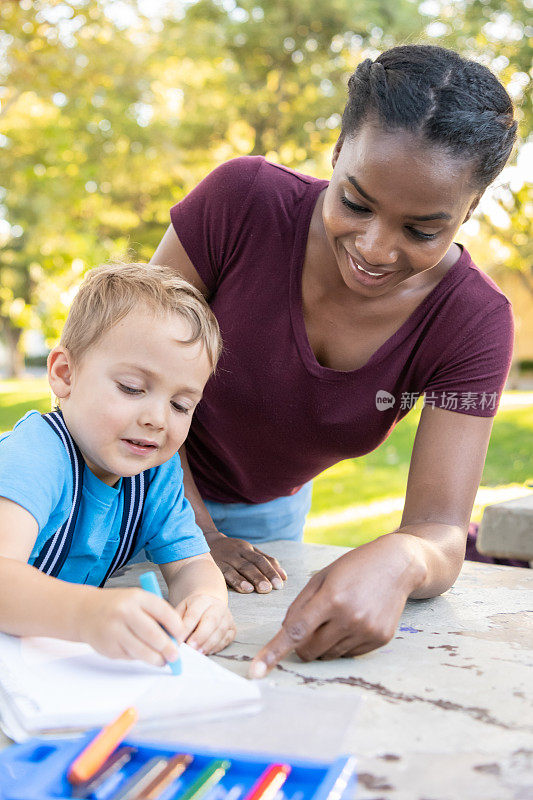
<point x="436" y="93"/>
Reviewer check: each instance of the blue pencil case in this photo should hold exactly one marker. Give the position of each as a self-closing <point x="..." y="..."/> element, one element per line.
<point x="36" y="770"/>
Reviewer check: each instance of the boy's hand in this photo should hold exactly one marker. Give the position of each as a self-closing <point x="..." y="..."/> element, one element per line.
<point x="245" y="567"/>
<point x="126" y="623"/>
<point x="208" y="623"/>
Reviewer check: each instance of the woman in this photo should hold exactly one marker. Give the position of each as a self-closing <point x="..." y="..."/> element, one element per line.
<point x="339" y="304"/>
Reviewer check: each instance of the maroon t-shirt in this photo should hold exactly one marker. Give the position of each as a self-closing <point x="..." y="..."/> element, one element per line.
<point x="273" y="417"/>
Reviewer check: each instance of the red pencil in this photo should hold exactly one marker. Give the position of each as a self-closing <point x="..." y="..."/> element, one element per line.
<point x="269" y="783"/>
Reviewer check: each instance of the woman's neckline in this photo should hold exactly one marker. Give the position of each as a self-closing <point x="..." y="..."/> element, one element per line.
<point x="296" y="298"/>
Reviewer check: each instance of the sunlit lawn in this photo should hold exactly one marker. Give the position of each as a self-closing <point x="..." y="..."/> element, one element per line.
<point x="17" y="397"/>
<point x="382" y="474"/>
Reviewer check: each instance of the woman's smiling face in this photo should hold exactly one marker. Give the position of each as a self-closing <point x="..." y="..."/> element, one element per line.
<point x="393" y="206"/>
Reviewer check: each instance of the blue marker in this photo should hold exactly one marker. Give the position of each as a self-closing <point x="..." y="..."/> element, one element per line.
<point x="149" y="583"/>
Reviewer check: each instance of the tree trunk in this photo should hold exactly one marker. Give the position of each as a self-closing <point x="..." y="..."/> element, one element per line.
<point x="15" y="354"/>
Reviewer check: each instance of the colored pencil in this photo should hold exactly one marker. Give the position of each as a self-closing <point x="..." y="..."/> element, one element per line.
<point x="269" y="783"/>
<point x="175" y="767"/>
<point x="114" y="763"/>
<point x="149" y="583"/>
<point x="98" y="751"/>
<point x="211" y="775"/>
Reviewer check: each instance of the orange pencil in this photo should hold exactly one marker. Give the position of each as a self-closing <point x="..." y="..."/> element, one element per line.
<point x="101" y="747"/>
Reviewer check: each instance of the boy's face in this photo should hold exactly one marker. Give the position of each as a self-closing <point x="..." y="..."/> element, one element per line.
<point x="129" y="402"/>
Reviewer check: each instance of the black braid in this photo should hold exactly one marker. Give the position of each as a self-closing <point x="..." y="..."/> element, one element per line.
<point x="449" y="100"/>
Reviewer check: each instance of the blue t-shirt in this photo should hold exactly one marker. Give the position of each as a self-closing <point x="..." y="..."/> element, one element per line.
<point x="36" y="473"/>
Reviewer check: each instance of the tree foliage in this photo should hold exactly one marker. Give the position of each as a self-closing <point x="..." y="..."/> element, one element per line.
<point x="112" y="109"/>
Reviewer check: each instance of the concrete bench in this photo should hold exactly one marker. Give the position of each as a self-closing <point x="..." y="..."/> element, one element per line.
<point x="506" y="530"/>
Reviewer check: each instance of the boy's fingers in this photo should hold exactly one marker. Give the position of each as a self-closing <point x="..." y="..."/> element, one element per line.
<point x="218" y="642"/>
<point x="205" y="628"/>
<point x="144" y="627"/>
<point x="181" y="608"/>
<point x="191" y="618"/>
<point x="146" y="630"/>
<point x="165" y="615"/>
<point x="135" y="648"/>
<point x="219" y="639"/>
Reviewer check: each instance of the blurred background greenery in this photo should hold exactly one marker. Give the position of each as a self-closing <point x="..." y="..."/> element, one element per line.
<point x="112" y="110"/>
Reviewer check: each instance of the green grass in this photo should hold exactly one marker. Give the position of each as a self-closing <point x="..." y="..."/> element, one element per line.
<point x="379" y="475"/>
<point x="17" y="397"/>
<point x="383" y="473"/>
<point x="352" y="534"/>
<point x="510" y="455"/>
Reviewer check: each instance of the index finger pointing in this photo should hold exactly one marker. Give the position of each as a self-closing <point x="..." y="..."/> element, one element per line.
<point x="305" y="614"/>
<point x="269" y="655"/>
<point x="298" y="627"/>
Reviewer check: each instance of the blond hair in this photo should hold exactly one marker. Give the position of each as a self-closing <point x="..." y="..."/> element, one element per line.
<point x="111" y="291"/>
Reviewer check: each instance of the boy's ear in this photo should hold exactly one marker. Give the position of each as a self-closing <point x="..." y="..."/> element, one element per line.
<point x="60" y="372"/>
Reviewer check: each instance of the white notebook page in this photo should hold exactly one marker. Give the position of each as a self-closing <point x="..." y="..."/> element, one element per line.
<point x="50" y="684"/>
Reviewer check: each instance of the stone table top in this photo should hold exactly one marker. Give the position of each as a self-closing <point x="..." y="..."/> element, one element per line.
<point x="447" y="705"/>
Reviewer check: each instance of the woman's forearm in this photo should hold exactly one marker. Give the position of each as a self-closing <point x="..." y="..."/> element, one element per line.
<point x="433" y="554"/>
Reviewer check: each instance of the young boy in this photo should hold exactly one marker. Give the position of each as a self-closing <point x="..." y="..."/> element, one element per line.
<point x="85" y="488"/>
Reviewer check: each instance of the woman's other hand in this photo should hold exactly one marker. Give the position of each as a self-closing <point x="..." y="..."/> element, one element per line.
<point x="245" y="567"/>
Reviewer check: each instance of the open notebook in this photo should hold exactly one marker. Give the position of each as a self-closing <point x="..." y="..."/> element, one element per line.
<point x="50" y="685"/>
